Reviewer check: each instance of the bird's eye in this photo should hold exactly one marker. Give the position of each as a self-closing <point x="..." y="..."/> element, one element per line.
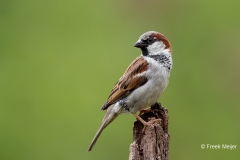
<point x="150" y="40"/>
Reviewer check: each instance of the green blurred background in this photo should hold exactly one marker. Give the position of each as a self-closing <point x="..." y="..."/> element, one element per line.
<point x="60" y="59"/>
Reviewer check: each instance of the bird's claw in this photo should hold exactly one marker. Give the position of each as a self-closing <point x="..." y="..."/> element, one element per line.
<point x="151" y="122"/>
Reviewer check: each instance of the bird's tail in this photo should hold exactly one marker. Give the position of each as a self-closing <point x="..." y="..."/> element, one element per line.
<point x="110" y="115"/>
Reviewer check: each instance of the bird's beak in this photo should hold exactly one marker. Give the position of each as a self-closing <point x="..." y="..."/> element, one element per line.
<point x="139" y="44"/>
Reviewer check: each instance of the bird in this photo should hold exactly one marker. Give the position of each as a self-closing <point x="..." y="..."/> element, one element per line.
<point x="142" y="83"/>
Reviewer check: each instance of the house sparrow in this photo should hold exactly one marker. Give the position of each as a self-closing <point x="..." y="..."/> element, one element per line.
<point x="142" y="83"/>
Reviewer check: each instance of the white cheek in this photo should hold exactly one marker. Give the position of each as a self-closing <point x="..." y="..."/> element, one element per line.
<point x="156" y="47"/>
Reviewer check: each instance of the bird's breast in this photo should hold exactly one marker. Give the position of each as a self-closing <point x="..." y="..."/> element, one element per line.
<point x="149" y="93"/>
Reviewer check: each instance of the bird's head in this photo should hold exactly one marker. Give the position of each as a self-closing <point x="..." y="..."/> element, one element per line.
<point x="152" y="43"/>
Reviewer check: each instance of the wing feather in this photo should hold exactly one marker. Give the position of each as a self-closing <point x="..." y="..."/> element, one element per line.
<point x="130" y="81"/>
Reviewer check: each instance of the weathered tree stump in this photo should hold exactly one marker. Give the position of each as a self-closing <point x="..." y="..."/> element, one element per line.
<point x="153" y="144"/>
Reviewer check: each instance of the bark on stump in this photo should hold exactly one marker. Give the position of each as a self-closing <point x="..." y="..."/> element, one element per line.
<point x="153" y="144"/>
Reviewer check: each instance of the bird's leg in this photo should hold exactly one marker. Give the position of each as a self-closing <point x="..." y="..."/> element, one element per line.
<point x="145" y="124"/>
<point x="141" y="112"/>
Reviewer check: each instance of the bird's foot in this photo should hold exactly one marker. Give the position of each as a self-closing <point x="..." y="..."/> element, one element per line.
<point x="151" y="122"/>
<point x="145" y="124"/>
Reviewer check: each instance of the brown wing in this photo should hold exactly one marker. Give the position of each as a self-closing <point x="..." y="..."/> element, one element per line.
<point x="128" y="83"/>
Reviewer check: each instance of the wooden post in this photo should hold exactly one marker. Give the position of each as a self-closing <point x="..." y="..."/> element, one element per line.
<point x="153" y="144"/>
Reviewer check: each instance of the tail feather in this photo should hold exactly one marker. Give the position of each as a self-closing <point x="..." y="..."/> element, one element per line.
<point x="103" y="125"/>
<point x="108" y="118"/>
